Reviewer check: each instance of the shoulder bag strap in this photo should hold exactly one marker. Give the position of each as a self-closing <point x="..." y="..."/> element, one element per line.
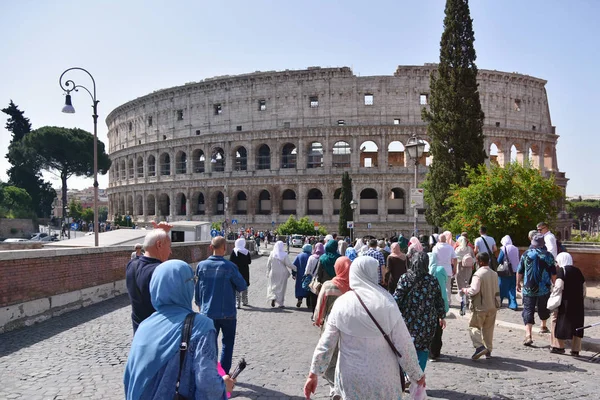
<point x="385" y="335"/>
<point x="487" y="247"/>
<point x="186" y="334"/>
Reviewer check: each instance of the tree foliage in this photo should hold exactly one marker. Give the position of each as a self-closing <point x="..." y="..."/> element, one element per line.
<point x="102" y="214"/>
<point x="345" y="209"/>
<point x="584" y="208"/>
<point x="87" y="215"/>
<point x="75" y="209"/>
<point x="455" y="119"/>
<point x="14" y="202"/>
<point x="508" y="201"/>
<point x="23" y="172"/>
<point x="302" y="226"/>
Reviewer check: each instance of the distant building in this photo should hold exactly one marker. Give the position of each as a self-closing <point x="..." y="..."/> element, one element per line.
<point x="84" y="196"/>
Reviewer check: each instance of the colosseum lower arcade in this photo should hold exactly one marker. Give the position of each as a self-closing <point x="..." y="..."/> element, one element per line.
<point x="260" y="147"/>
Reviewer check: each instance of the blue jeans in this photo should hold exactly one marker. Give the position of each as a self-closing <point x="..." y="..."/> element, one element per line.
<point x="228" y="327"/>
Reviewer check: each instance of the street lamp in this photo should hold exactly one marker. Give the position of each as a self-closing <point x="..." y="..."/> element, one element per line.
<point x="353" y="206"/>
<point x="415" y="148"/>
<point x="68" y="86"/>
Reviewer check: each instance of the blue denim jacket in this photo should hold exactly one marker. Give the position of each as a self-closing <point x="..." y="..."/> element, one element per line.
<point x="218" y="280"/>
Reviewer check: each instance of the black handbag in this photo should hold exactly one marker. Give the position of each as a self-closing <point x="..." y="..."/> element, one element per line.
<point x="493" y="260"/>
<point x="387" y="339"/>
<point x="186" y="334"/>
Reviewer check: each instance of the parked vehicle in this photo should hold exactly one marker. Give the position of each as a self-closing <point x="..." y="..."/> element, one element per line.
<point x="297" y="241"/>
<point x="38" y="237"/>
<point x="14" y="240"/>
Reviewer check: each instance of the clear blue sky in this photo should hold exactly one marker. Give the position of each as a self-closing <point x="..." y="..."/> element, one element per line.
<point x="134" y="47"/>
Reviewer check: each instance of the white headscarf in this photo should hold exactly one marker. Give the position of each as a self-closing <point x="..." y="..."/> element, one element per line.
<point x="564" y="259"/>
<point x="278" y="251"/>
<point x="358" y="246"/>
<point x="510" y="251"/>
<point x="349" y="316"/>
<point x="240" y="247"/>
<point x="328" y="238"/>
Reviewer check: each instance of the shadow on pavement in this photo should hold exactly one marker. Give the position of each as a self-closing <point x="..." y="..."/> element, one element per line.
<point x="450" y="394"/>
<point x="13" y="341"/>
<point x="514" y="364"/>
<point x="259" y="391"/>
<point x="266" y="309"/>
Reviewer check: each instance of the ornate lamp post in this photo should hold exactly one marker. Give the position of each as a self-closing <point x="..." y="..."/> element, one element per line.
<point x="68" y="86"/>
<point x="415" y="148"/>
<point x="353" y="206"/>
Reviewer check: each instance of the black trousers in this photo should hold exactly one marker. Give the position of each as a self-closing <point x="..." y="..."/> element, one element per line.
<point x="311" y="300"/>
<point x="435" y="348"/>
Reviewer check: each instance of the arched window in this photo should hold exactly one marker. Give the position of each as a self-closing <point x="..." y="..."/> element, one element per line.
<point x="264" y="202"/>
<point x="198" y="204"/>
<point x="241" y="159"/>
<point x="139" y="205"/>
<point x="396" y="154"/>
<point x="315" y="155"/>
<point x="315" y="202"/>
<point x="164" y="205"/>
<point x="288" y="202"/>
<point x="165" y="165"/>
<point x="369" y="154"/>
<point x="263" y="158"/>
<point x="217" y="160"/>
<point x="337" y="201"/>
<point x="368" y="202"/>
<point x="181" y="204"/>
<point x="123" y="173"/>
<point x="396" y="201"/>
<point x="130" y="170"/>
<point x="288" y="156"/>
<point x="140" y="167"/>
<point x="241" y="203"/>
<point x="181" y="163"/>
<point x="219" y="204"/>
<point x="341" y="155"/>
<point x="150" y="203"/>
<point x="151" y="166"/>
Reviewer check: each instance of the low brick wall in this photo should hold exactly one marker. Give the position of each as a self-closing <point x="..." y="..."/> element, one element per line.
<point x="38" y="284"/>
<point x="588" y="261"/>
<point x="20" y="245"/>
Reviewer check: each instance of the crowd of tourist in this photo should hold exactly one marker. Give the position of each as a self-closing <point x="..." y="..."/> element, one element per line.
<point x="380" y="306"/>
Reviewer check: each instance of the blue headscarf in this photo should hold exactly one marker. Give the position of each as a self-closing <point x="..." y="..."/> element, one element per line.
<point x="158" y="338"/>
<point x="307" y="248"/>
<point x="351" y="253"/>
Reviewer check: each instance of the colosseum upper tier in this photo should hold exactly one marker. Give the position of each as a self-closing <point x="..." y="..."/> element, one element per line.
<point x="253" y="149"/>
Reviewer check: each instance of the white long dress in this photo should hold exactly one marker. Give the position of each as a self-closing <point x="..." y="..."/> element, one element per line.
<point x="278" y="273"/>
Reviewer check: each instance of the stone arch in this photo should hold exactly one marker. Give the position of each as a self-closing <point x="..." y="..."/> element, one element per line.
<point x="264" y="202"/>
<point x="151" y="165"/>
<point x="396" y="154"/>
<point x="198" y="161"/>
<point x="288" y="202"/>
<point x="139" y="205"/>
<point x="123" y="173"/>
<point x="150" y="204"/>
<point x="129" y="205"/>
<point x="368" y="201"/>
<point x="198" y="206"/>
<point x="314" y="155"/>
<point x="314" y="200"/>
<point x="241" y="203"/>
<point x="130" y="169"/>
<point x="337" y="201"/>
<point x="396" y="201"/>
<point x="548" y="157"/>
<point x="140" y="167"/>
<point x="369" y="152"/>
<point x="341" y="154"/>
<point x="180" y="204"/>
<point x="164" y="205"/>
<point x="289" y="155"/>
<point x="263" y="157"/>
<point x="164" y="162"/>
<point x="181" y="162"/>
<point x="241" y="159"/>
<point x="219" y="203"/>
<point x="494" y="154"/>
<point x="121" y="208"/>
<point x="534" y="155"/>
<point x="217" y="160"/>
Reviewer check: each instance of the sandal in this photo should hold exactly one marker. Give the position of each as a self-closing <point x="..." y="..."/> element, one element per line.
<point x="574" y="353"/>
<point x="557" y="350"/>
<point x="528" y="341"/>
<point x="544" y="330"/>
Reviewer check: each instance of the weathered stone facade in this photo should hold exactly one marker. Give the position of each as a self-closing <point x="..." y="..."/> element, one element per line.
<point x="259" y="147"/>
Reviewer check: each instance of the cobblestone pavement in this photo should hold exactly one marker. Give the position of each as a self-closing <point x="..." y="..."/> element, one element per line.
<point x="82" y="355"/>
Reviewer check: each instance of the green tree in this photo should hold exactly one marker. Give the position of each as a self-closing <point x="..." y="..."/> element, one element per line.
<point x="102" y="214"/>
<point x="14" y="202"/>
<point x="582" y="209"/>
<point x="64" y="152"/>
<point x="289" y="227"/>
<point x="302" y="226"/>
<point x="509" y="201"/>
<point x="345" y="209"/>
<point x="23" y="173"/>
<point x="455" y="119"/>
<point x="75" y="209"/>
<point x="88" y="215"/>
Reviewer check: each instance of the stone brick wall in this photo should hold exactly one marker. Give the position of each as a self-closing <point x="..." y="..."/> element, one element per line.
<point x="586" y="259"/>
<point x="20" y="227"/>
<point x="32" y="274"/>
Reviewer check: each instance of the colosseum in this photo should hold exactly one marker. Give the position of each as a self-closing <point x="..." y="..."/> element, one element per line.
<point x="254" y="149"/>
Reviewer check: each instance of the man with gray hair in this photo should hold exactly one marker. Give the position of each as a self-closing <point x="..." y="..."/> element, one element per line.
<point x="157" y="246"/>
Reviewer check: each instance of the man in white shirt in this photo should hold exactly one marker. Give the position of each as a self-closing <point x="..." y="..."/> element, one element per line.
<point x="480" y="246"/>
<point x="446" y="257"/>
<point x="549" y="238"/>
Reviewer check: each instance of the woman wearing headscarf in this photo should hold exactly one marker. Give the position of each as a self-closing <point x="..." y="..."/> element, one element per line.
<point x="153" y="363"/>
<point x="327" y="262"/>
<point x="240" y="256"/>
<point x="570" y="313"/>
<point x="300" y="262"/>
<point x="508" y="284"/>
<point x="367" y="368"/>
<point x="396" y="267"/>
<point x="419" y="298"/>
<point x="278" y="272"/>
<point x="311" y="269"/>
<point x="351" y="253"/>
<point x="329" y="293"/>
<point x="449" y="238"/>
<point x="342" y="246"/>
<point x="414" y="246"/>
<point x="465" y="269"/>
<point x="358" y="245"/>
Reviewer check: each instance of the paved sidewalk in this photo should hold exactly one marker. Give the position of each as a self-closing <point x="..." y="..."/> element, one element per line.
<point x="82" y="355"/>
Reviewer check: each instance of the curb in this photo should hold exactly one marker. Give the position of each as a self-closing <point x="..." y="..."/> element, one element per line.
<point x="587" y="344"/>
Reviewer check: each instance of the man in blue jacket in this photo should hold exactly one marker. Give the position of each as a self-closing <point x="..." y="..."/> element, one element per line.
<point x="218" y="280"/>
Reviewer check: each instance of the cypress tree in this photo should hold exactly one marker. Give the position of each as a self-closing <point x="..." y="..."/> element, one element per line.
<point x="455" y="118"/>
<point x="345" y="210"/>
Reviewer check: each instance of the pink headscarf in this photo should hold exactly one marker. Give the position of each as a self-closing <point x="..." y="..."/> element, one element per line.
<point x="449" y="240"/>
<point x="396" y="252"/>
<point x="415" y="243"/>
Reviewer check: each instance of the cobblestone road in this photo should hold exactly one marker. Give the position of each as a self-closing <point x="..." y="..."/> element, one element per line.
<point x="82" y="354"/>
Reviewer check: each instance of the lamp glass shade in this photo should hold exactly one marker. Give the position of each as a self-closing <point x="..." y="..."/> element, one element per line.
<point x="68" y="107"/>
<point x="353" y="204"/>
<point x="415" y="147"/>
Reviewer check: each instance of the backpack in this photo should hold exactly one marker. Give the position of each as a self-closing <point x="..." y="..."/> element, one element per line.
<point x="468" y="261"/>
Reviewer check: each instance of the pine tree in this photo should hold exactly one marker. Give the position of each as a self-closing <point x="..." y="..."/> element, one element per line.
<point x="23" y="173"/>
<point x="345" y="210"/>
<point x="455" y="119"/>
